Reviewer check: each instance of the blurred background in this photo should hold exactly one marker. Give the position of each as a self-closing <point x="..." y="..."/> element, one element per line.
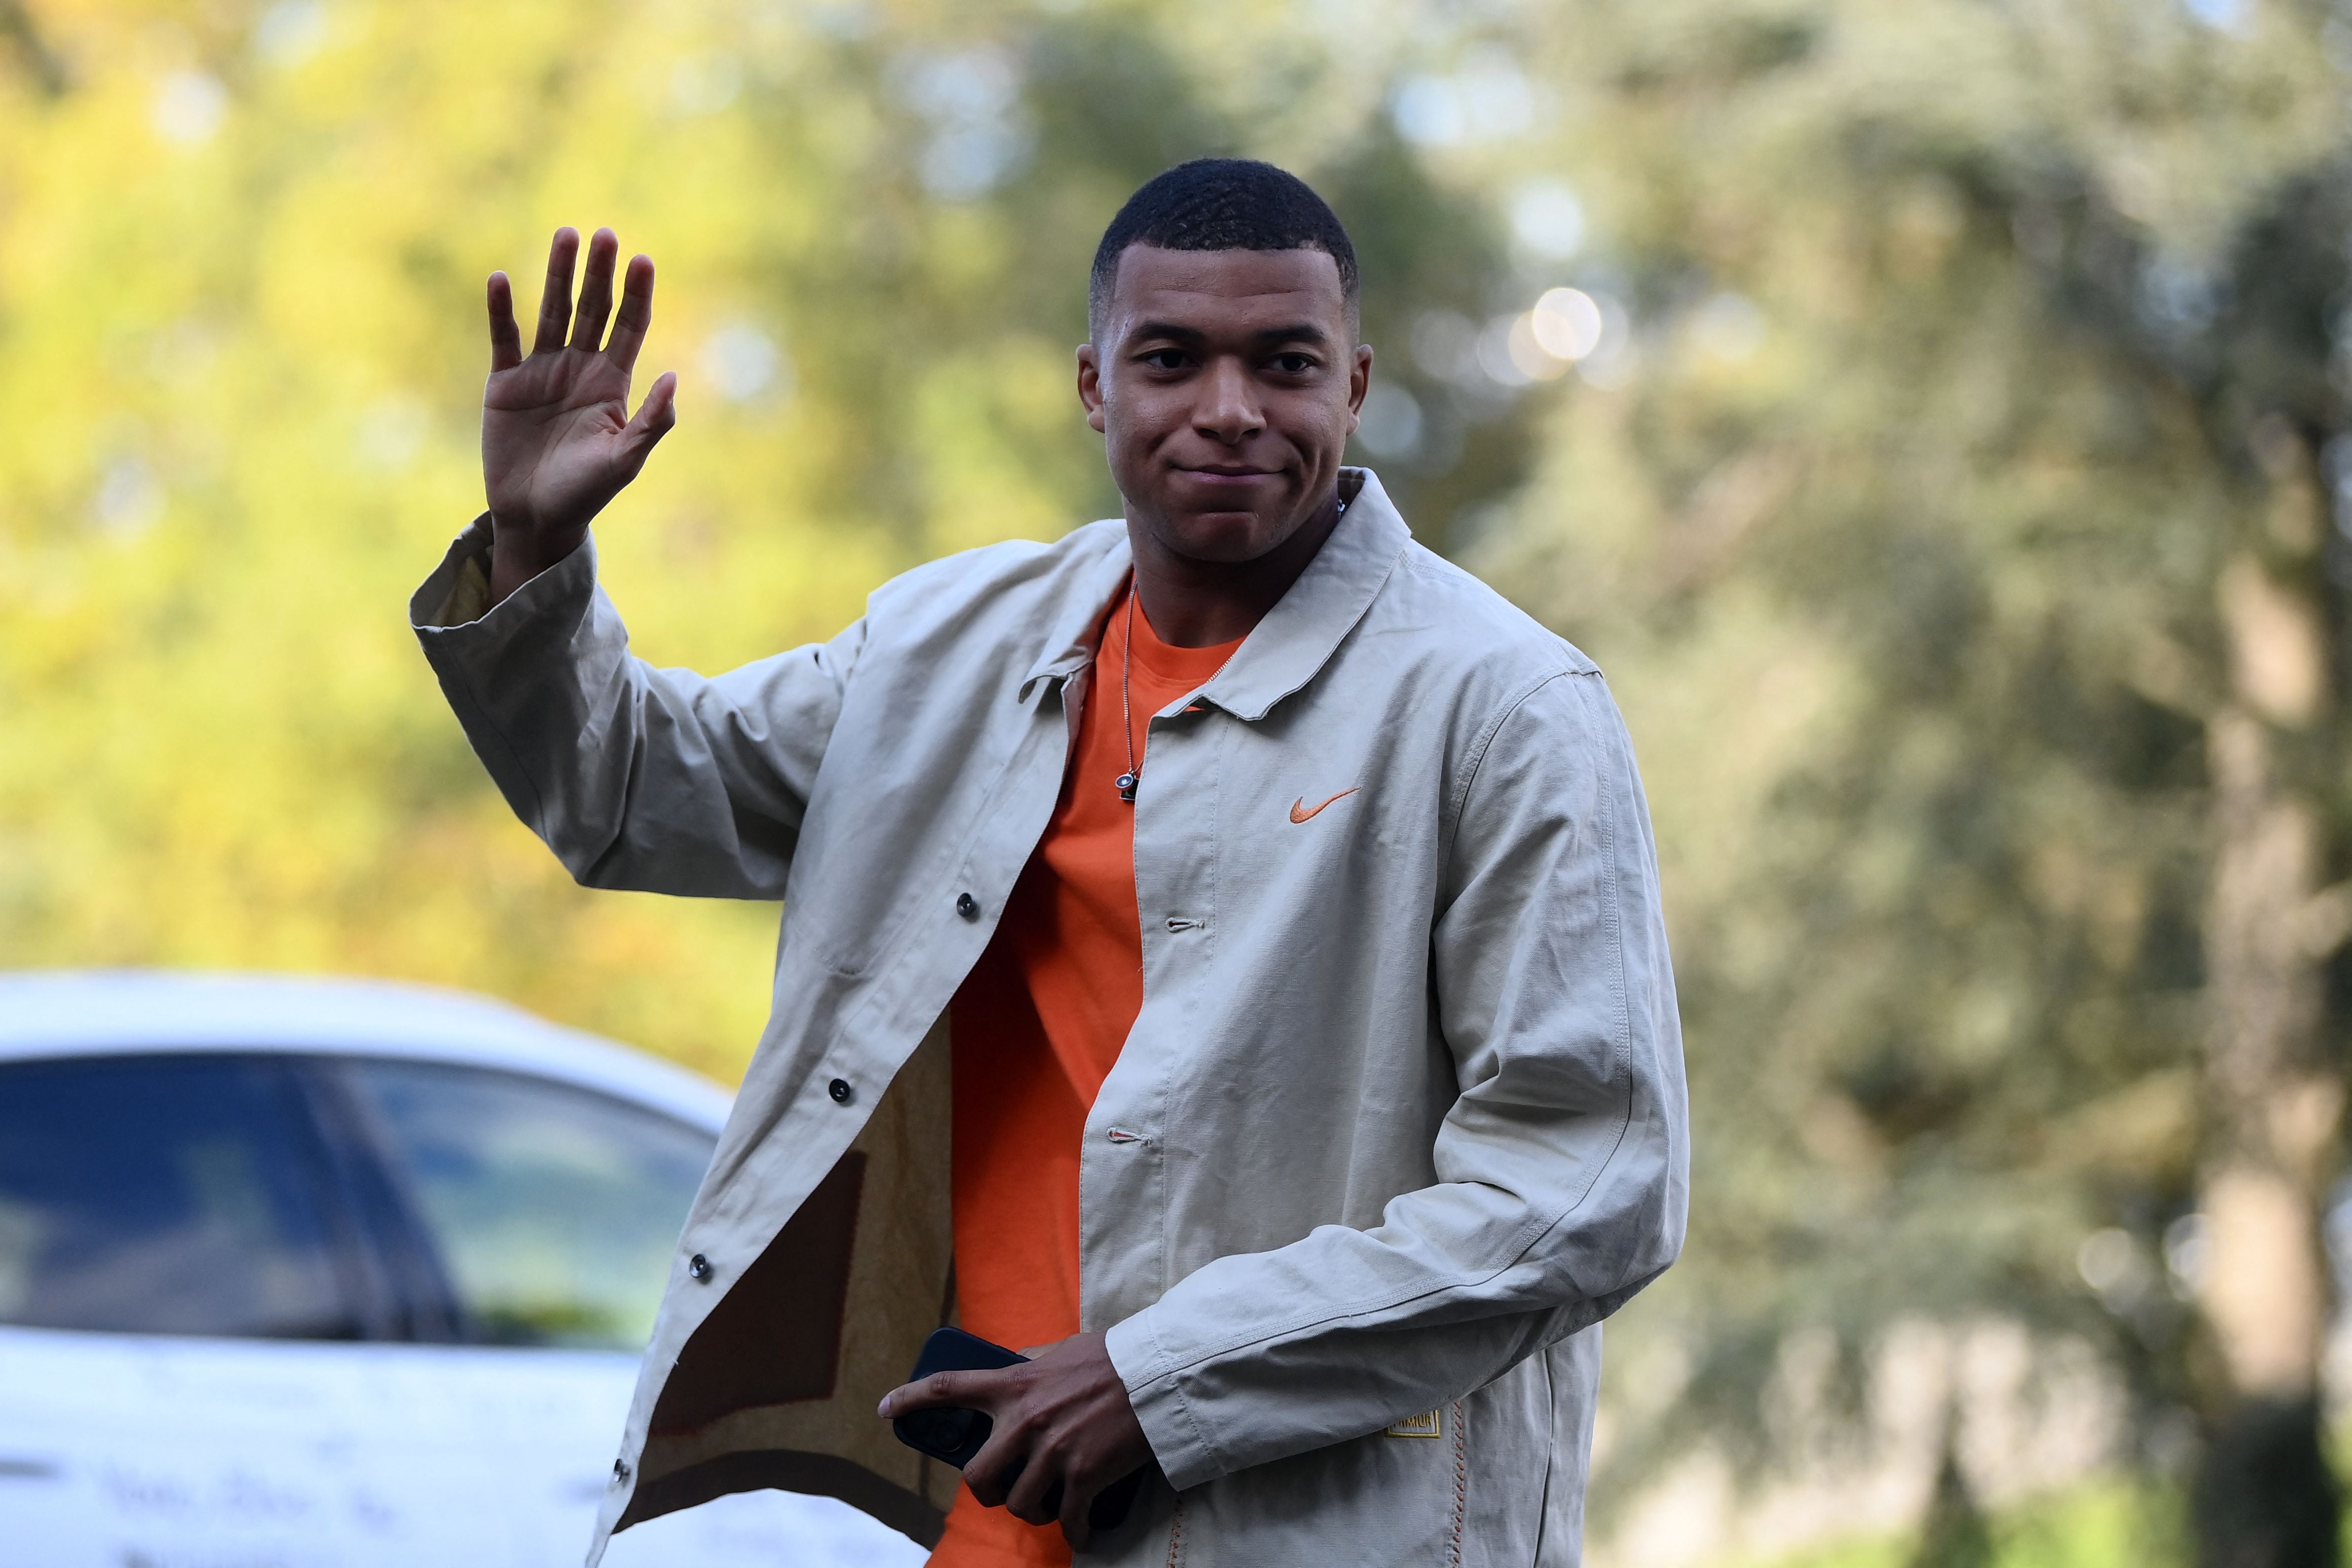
<point x="1932" y="415"/>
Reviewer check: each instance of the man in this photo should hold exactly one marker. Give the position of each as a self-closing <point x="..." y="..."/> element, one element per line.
<point x="1221" y="954"/>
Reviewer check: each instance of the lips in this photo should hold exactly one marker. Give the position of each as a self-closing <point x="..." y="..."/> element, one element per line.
<point x="1228" y="476"/>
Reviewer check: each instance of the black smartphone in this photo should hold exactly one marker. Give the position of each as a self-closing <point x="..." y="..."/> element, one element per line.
<point x="955" y="1436"/>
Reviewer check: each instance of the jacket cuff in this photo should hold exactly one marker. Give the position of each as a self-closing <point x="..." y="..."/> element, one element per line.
<point x="1177" y="1439"/>
<point x="457" y="595"/>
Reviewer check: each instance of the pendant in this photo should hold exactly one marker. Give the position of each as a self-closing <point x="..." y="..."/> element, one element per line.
<point x="1127" y="787"/>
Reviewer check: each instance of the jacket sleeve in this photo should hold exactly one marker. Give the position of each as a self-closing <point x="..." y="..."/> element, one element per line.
<point x="1562" y="1168"/>
<point x="658" y="780"/>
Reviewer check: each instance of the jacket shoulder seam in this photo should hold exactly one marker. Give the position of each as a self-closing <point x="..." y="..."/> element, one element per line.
<point x="1459" y="799"/>
<point x="1435" y="569"/>
<point x="987" y="569"/>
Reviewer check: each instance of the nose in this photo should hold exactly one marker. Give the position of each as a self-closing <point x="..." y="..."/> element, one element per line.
<point x="1227" y="412"/>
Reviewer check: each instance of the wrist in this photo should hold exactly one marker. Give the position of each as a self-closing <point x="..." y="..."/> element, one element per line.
<point x="518" y="553"/>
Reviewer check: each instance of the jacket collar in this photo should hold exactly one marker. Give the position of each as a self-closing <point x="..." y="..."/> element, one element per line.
<point x="1298" y="637"/>
<point x="1077" y="631"/>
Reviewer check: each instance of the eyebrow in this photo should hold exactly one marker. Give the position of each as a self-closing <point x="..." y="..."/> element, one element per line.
<point x="1296" y="332"/>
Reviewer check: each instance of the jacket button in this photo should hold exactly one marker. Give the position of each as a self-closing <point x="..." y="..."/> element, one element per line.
<point x="967" y="906"/>
<point x="839" y="1089"/>
<point x="621" y="1472"/>
<point x="698" y="1266"/>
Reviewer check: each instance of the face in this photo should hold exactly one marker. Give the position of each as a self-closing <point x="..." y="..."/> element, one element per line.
<point x="1226" y="383"/>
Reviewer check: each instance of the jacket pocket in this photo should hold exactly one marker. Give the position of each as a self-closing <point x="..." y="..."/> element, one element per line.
<point x="1375" y="1501"/>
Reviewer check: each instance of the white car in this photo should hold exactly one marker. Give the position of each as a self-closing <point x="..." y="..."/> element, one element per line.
<point x="325" y="1274"/>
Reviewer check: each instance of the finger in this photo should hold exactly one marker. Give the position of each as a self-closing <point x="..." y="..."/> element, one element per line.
<point x="958" y="1390"/>
<point x="595" y="293"/>
<point x="992" y="1473"/>
<point x="644" y="431"/>
<point x="1076" y="1503"/>
<point x="636" y="315"/>
<point x="1034" y="1493"/>
<point x="506" y="339"/>
<point x="556" y="296"/>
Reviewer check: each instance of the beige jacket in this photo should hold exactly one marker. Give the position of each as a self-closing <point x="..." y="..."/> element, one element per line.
<point x="1402" y="1116"/>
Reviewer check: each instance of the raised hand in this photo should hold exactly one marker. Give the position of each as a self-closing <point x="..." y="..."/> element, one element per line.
<point x="558" y="439"/>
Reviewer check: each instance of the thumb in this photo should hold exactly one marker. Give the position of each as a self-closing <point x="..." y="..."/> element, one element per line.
<point x="651" y="422"/>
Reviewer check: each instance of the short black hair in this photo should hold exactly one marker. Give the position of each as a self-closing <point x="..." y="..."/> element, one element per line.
<point x="1222" y="204"/>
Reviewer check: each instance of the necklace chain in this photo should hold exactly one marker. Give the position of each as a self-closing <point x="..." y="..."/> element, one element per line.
<point x="1134" y="774"/>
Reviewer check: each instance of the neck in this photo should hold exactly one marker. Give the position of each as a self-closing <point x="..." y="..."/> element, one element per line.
<point x="1200" y="603"/>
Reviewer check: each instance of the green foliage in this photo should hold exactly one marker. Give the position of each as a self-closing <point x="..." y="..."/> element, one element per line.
<point x="1974" y="340"/>
<point x="1954" y="1535"/>
<point x="2107" y="1524"/>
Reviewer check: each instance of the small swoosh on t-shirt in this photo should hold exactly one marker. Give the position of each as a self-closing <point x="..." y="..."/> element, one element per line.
<point x="1299" y="812"/>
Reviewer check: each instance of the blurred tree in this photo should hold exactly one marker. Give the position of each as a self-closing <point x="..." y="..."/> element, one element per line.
<point x="1954" y="519"/>
<point x="1954" y="1535"/>
<point x="241" y="257"/>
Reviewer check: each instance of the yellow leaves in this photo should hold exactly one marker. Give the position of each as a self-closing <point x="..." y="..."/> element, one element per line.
<point x="241" y="351"/>
<point x="985" y="421"/>
<point x="238" y="371"/>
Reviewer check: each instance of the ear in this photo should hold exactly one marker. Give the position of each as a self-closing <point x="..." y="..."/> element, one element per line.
<point x="1359" y="382"/>
<point x="1090" y="395"/>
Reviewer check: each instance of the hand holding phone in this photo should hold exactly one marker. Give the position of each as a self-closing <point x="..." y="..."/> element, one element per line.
<point x="955" y="1434"/>
<point x="949" y="1433"/>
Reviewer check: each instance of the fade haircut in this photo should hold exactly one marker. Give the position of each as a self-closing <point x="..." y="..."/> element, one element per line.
<point x="1220" y="203"/>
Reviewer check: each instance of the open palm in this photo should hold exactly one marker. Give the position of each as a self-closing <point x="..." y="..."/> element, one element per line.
<point x="558" y="439"/>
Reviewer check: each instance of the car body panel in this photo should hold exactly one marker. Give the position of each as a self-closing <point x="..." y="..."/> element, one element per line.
<point x="100" y="1012"/>
<point x="134" y="1450"/>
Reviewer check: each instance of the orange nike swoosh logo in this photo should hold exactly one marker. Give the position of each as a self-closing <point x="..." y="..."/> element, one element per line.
<point x="1299" y="812"/>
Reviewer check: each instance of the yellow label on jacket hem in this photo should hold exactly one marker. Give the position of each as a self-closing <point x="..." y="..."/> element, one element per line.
<point x="1424" y="1425"/>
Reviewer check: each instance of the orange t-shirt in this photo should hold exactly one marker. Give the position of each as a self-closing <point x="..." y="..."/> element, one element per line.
<point x="1036" y="1028"/>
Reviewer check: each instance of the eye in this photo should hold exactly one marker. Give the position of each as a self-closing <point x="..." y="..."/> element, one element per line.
<point x="1294" y="364"/>
<point x="1164" y="359"/>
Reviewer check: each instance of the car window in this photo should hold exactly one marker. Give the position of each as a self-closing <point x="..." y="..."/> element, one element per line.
<point x="174" y="1194"/>
<point x="555" y="1209"/>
